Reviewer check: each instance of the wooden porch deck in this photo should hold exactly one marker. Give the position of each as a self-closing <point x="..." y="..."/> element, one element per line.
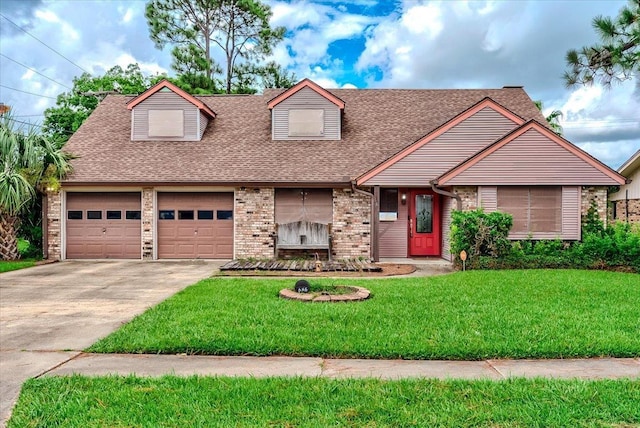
<point x="302" y="265"/>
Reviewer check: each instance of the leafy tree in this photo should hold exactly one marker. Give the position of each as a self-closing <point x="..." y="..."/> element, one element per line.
<point x="616" y="58"/>
<point x="73" y="107"/>
<point x="553" y="118"/>
<point x="30" y="163"/>
<point x="239" y="28"/>
<point x="274" y="76"/>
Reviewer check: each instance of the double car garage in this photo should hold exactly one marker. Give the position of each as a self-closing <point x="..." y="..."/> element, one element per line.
<point x="187" y="225"/>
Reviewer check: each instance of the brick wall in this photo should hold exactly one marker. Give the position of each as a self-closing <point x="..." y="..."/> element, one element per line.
<point x="254" y="222"/>
<point x="469" y="196"/>
<point x="54" y="225"/>
<point x="351" y="230"/>
<point x="147" y="223"/>
<point x="597" y="194"/>
<point x="621" y="211"/>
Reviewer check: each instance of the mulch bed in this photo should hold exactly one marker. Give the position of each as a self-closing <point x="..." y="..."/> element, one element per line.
<point x="368" y="269"/>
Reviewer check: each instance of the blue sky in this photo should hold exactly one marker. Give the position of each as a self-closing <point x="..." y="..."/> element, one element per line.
<point x="361" y="43"/>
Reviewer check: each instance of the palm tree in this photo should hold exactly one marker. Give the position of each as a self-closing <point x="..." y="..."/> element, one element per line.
<point x="553" y="119"/>
<point x="30" y="164"/>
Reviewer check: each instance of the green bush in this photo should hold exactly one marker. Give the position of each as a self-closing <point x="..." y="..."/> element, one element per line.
<point x="480" y="234"/>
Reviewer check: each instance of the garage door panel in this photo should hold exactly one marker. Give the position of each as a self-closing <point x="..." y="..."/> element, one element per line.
<point x="110" y="234"/>
<point x="201" y="237"/>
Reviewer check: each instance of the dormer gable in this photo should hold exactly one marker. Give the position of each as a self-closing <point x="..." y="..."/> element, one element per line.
<point x="165" y="112"/>
<point x="306" y="111"/>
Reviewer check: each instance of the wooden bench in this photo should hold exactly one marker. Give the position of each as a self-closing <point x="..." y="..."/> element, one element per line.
<point x="303" y="235"/>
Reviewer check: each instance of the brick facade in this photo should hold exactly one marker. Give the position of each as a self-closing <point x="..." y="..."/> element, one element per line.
<point x="54" y="226"/>
<point x="597" y="194"/>
<point x="254" y="222"/>
<point x="147" y="223"/>
<point x="633" y="216"/>
<point x="468" y="195"/>
<point x="351" y="224"/>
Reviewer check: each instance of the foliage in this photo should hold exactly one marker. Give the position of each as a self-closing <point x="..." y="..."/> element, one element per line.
<point x="198" y="401"/>
<point x="30" y="163"/>
<point x="462" y="316"/>
<point x="73" y="107"/>
<point x="479" y="233"/>
<point x="553" y="118"/>
<point x="616" y="57"/>
<point x="240" y="29"/>
<point x="615" y="248"/>
<point x="591" y="223"/>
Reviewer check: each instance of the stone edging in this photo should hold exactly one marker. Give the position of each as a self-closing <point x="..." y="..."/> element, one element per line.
<point x="360" y="293"/>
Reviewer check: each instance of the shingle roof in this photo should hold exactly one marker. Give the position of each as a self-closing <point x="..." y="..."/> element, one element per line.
<point x="237" y="147"/>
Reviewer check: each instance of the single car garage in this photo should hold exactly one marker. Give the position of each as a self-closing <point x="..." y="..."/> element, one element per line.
<point x="101" y="225"/>
<point x="195" y="225"/>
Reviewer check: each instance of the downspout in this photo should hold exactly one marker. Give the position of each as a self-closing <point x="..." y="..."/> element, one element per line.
<point x="626" y="205"/>
<point x="374" y="220"/>
<point x="436" y="189"/>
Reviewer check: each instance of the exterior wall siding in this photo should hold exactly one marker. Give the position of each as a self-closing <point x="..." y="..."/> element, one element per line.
<point x="254" y="222"/>
<point x="351" y="231"/>
<point x="54" y="226"/>
<point x="571" y="225"/>
<point x="598" y="194"/>
<point x="531" y="158"/>
<point x="488" y="198"/>
<point x="306" y="98"/>
<point x="630" y="191"/>
<point x="447" y="208"/>
<point x="438" y="156"/>
<point x="392" y="235"/>
<point x="148" y="222"/>
<point x="204" y="120"/>
<point x="165" y="101"/>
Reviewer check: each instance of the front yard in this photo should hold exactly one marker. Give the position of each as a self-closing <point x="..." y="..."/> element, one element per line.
<point x="316" y="402"/>
<point x="6" y="266"/>
<point x="467" y="315"/>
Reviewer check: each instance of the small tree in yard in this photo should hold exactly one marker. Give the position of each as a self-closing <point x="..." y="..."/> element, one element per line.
<point x="30" y="163"/>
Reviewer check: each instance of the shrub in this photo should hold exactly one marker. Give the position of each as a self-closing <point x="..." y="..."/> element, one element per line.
<point x="480" y="234"/>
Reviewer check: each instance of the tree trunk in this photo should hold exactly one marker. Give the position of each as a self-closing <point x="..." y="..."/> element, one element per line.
<point x="8" y="238"/>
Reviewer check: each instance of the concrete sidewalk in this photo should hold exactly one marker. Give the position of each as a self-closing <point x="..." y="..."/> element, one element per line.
<point x="183" y="365"/>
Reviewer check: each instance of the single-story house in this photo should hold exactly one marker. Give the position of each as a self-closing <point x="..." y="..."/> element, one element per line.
<point x="626" y="201"/>
<point x="166" y="174"/>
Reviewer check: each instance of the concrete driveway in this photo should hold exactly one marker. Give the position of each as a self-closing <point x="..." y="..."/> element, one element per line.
<point x="49" y="313"/>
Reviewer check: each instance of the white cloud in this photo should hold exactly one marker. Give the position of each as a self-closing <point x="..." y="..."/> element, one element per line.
<point x="128" y="16"/>
<point x="423" y="20"/>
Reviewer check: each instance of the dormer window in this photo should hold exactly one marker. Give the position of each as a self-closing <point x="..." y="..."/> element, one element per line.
<point x="166" y="123"/>
<point x="306" y="123"/>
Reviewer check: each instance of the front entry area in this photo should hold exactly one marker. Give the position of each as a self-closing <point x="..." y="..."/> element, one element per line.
<point x="195" y="225"/>
<point x="102" y="225"/>
<point x="424" y="223"/>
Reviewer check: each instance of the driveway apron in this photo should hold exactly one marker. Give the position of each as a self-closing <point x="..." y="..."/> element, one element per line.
<point x="49" y="313"/>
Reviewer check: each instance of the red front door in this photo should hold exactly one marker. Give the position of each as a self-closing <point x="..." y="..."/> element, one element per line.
<point x="424" y="223"/>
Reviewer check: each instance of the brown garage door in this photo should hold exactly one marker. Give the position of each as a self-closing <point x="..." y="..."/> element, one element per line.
<point x="195" y="225"/>
<point x="103" y="225"/>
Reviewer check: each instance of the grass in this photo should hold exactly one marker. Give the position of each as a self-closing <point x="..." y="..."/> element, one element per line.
<point x="316" y="402"/>
<point x="467" y="315"/>
<point x="6" y="266"/>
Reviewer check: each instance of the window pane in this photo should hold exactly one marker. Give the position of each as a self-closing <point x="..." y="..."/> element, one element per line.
<point x="424" y="213"/>
<point x="94" y="215"/>
<point x="205" y="214"/>
<point x="306" y="123"/>
<point x="388" y="200"/>
<point x="546" y="209"/>
<point x="225" y="214"/>
<point x="166" y="215"/>
<point x="133" y="215"/>
<point x="114" y="215"/>
<point x="185" y="215"/>
<point x="514" y="200"/>
<point x="74" y="215"/>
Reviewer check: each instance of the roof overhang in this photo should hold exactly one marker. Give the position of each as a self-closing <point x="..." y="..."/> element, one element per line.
<point x="632" y="164"/>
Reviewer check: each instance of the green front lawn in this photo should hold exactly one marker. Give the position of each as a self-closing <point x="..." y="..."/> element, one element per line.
<point x="315" y="402"/>
<point x="6" y="266"/>
<point x="466" y="315"/>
